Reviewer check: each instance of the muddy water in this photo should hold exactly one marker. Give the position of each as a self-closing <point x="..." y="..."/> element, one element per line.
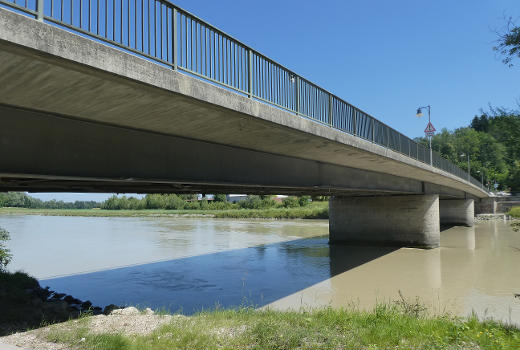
<point x="192" y="263"/>
<point x="476" y="269"/>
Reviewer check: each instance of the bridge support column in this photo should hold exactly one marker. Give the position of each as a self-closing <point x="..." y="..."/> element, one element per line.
<point x="457" y="212"/>
<point x="486" y="206"/>
<point x="409" y="220"/>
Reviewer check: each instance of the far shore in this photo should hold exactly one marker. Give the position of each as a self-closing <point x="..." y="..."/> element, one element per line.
<point x="313" y="211"/>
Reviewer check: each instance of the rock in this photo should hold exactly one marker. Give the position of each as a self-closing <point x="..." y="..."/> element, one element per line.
<point x="86" y="305"/>
<point x="109" y="308"/>
<point x="148" y="311"/>
<point x="126" y="311"/>
<point x="69" y="299"/>
<point x="97" y="310"/>
<point x="58" y="295"/>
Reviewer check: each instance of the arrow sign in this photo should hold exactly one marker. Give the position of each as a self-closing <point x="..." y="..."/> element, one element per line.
<point x="430" y="129"/>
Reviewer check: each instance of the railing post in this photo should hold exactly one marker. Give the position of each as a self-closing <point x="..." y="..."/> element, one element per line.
<point x="417" y="155"/>
<point x="354" y="120"/>
<point x="387" y="137"/>
<point x="297" y="95"/>
<point x="399" y="142"/>
<point x="39" y="10"/>
<point x="175" y="41"/>
<point x="373" y="130"/>
<point x="249" y="73"/>
<point x="330" y="110"/>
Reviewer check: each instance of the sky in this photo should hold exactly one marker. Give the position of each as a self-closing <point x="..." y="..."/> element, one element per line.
<point x="385" y="57"/>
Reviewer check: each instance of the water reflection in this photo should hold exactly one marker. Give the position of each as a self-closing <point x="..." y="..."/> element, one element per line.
<point x="474" y="270"/>
<point x="252" y="276"/>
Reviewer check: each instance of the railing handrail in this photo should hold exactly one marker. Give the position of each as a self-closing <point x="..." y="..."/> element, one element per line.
<point x="279" y="91"/>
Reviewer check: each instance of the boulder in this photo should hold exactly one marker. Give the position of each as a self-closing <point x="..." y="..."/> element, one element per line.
<point x="126" y="311"/>
<point x="109" y="308"/>
<point x="86" y="305"/>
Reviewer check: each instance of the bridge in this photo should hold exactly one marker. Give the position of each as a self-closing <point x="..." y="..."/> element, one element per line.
<point x="142" y="96"/>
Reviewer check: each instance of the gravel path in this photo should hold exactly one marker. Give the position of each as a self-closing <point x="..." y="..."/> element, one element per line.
<point x="128" y="321"/>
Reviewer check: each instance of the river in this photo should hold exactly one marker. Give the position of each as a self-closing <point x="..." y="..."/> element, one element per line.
<point x="190" y="264"/>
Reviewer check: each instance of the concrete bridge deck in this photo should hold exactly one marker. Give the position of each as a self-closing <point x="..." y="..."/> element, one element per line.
<point x="79" y="115"/>
<point x="98" y="100"/>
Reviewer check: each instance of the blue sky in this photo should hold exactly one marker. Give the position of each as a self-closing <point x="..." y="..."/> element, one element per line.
<point x="385" y="57"/>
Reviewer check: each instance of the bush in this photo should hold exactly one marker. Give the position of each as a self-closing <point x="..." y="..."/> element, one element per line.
<point x="291" y="202"/>
<point x="515" y="212"/>
<point x="257" y="202"/>
<point x="5" y="255"/>
<point x="304" y="200"/>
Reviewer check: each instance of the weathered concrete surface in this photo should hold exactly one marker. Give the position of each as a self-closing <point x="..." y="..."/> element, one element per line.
<point x="48" y="69"/>
<point x="486" y="205"/>
<point x="457" y="212"/>
<point x="411" y="221"/>
<point x="130" y="160"/>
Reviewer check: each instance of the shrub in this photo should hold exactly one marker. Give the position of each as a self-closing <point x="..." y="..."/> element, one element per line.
<point x="5" y="255"/>
<point x="291" y="202"/>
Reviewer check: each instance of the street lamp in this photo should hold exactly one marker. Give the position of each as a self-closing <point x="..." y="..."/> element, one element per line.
<point x="481" y="177"/>
<point x="469" y="169"/>
<point x="427" y="131"/>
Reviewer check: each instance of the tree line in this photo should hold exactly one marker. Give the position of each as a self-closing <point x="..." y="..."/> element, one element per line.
<point x="23" y="200"/>
<point x="154" y="201"/>
<point x="492" y="141"/>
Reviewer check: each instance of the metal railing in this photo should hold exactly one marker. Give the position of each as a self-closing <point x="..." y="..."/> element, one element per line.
<point x="169" y="35"/>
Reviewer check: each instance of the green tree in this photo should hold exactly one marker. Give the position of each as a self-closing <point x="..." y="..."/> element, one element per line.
<point x="509" y="43"/>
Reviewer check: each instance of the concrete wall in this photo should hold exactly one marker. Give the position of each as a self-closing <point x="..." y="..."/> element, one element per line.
<point x="486" y="206"/>
<point x="411" y="221"/>
<point x="457" y="212"/>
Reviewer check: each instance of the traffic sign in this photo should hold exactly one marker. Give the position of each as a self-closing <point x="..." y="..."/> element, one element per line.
<point x="430" y="129"/>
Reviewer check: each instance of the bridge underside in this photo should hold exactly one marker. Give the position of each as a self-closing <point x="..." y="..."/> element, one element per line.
<point x="45" y="152"/>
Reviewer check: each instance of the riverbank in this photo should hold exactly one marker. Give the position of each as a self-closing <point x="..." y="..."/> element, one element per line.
<point x="397" y="325"/>
<point x="315" y="210"/>
<point x="515" y="212"/>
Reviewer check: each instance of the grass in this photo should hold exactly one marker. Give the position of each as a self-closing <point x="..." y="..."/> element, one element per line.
<point x="515" y="212"/>
<point x="315" y="210"/>
<point x="386" y="326"/>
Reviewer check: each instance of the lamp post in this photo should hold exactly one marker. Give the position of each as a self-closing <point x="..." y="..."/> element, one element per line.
<point x="469" y="169"/>
<point x="481" y="172"/>
<point x="427" y="131"/>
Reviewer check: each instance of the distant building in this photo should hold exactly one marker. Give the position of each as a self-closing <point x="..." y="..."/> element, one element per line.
<point x="279" y="198"/>
<point x="233" y="198"/>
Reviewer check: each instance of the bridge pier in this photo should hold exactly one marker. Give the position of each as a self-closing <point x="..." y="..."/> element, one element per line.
<point x="457" y="212"/>
<point x="404" y="220"/>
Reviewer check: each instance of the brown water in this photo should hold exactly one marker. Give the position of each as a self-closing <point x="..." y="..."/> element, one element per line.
<point x="476" y="269"/>
<point x="194" y="263"/>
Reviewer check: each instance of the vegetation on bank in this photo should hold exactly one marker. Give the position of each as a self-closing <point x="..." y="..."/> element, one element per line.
<point x="515" y="212"/>
<point x="492" y="142"/>
<point x="313" y="210"/>
<point x="395" y="325"/>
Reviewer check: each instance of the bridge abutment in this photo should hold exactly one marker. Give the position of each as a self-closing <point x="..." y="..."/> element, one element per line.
<point x="457" y="212"/>
<point x="405" y="220"/>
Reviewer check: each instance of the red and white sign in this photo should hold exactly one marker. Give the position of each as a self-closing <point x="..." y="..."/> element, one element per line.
<point x="430" y="129"/>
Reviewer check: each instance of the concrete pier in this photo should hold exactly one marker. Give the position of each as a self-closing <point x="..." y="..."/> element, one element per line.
<point x="404" y="220"/>
<point x="457" y="212"/>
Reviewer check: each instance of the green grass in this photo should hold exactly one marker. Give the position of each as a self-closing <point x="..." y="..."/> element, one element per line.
<point x="387" y="326"/>
<point x="515" y="212"/>
<point x="315" y="210"/>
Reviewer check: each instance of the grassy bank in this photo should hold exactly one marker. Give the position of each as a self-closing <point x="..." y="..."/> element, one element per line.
<point x="387" y="326"/>
<point x="515" y="212"/>
<point x="315" y="210"/>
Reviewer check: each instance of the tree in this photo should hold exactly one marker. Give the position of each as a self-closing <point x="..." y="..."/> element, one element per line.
<point x="509" y="43"/>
